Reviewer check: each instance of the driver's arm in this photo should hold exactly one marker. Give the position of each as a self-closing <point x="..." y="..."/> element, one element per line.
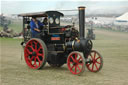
<point x="33" y="27"/>
<point x="36" y="29"/>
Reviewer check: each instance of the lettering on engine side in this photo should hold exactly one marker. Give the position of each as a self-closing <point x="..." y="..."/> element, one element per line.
<point x="55" y="38"/>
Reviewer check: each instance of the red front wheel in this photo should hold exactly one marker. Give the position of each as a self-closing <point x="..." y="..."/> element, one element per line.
<point x="94" y="61"/>
<point x="35" y="53"/>
<point x="76" y="63"/>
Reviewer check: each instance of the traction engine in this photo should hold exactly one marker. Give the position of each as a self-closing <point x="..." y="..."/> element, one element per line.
<point x="58" y="45"/>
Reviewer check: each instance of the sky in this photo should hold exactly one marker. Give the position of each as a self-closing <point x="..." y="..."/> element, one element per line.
<point x="92" y="6"/>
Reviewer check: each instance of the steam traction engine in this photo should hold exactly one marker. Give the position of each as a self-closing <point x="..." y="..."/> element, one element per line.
<point x="58" y="45"/>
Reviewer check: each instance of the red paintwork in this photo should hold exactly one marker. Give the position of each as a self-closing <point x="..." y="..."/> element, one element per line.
<point x="55" y="38"/>
<point x="74" y="58"/>
<point x="63" y="29"/>
<point x="96" y="61"/>
<point x="34" y="62"/>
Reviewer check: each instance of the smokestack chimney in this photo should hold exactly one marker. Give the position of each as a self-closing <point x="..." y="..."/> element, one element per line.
<point x="82" y="21"/>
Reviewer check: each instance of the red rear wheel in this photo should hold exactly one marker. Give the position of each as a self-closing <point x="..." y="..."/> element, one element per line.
<point x="35" y="53"/>
<point x="94" y="61"/>
<point x="76" y="63"/>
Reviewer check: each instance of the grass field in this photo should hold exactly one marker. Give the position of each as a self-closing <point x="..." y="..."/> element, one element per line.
<point x="112" y="45"/>
<point x="1" y="28"/>
<point x="16" y="25"/>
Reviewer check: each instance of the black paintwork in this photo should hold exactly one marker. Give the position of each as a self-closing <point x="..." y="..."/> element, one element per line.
<point x="68" y="40"/>
<point x="82" y="21"/>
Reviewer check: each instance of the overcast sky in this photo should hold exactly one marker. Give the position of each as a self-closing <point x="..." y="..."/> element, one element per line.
<point x="93" y="6"/>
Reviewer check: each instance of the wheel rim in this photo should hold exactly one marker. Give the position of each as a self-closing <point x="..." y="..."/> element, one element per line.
<point x="94" y="61"/>
<point x="75" y="63"/>
<point x="34" y="54"/>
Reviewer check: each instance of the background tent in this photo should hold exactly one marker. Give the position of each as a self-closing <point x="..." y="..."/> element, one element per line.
<point x="122" y="18"/>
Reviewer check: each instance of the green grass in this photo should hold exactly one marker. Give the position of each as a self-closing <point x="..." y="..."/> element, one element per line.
<point x="16" y="25"/>
<point x="113" y="46"/>
<point x="105" y="29"/>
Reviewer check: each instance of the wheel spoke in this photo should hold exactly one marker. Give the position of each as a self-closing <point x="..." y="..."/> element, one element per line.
<point x="92" y="66"/>
<point x="73" y="59"/>
<point x="39" y="54"/>
<point x="35" y="43"/>
<point x="98" y="62"/>
<point x="80" y="63"/>
<point x="38" y="59"/>
<point x="31" y="48"/>
<point x="34" y="61"/>
<point x="78" y="68"/>
<point x="29" y="51"/>
<point x="39" y="49"/>
<point x="75" y="69"/>
<point x="97" y="58"/>
<point x="79" y="59"/>
<point x="96" y="66"/>
<point x="88" y="64"/>
<point x="72" y="67"/>
<point x="76" y="57"/>
<point x="71" y="62"/>
<point x="32" y="58"/>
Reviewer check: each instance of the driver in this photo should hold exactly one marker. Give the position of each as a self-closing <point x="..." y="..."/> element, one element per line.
<point x="35" y="26"/>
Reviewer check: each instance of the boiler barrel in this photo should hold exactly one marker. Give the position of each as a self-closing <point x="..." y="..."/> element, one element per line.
<point x="84" y="45"/>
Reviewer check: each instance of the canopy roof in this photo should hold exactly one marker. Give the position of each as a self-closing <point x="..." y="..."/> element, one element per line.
<point x="40" y="14"/>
